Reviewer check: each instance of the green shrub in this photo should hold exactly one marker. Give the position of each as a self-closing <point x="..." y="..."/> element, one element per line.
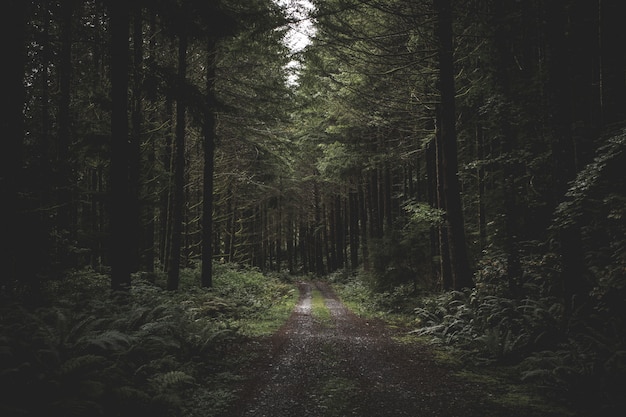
<point x="89" y="352"/>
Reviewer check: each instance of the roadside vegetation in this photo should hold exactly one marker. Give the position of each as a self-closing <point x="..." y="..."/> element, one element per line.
<point x="517" y="345"/>
<point x="148" y="352"/>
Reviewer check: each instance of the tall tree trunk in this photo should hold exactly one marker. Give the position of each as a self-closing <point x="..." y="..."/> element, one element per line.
<point x="354" y="228"/>
<point x="505" y="61"/>
<point x="445" y="264"/>
<point x="151" y="203"/>
<point x="279" y="229"/>
<point x="454" y="214"/>
<point x="64" y="190"/>
<point x="363" y="221"/>
<point x="388" y="195"/>
<point x="303" y="244"/>
<point x="317" y="234"/>
<point x="229" y="237"/>
<point x="560" y="95"/>
<point x="178" y="203"/>
<point x="332" y="237"/>
<point x="121" y="220"/>
<point x="613" y="65"/>
<point x="165" y="198"/>
<point x="206" y="277"/>
<point x="55" y="253"/>
<point x="480" y="176"/>
<point x="340" y="231"/>
<point x="433" y="200"/>
<point x="372" y="204"/>
<point x="13" y="32"/>
<point x="136" y="244"/>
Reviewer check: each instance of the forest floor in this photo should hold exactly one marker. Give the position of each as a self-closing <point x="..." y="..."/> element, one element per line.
<point x="326" y="361"/>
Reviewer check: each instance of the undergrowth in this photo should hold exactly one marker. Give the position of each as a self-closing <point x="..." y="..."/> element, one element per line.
<point x="87" y="352"/>
<point x="576" y="362"/>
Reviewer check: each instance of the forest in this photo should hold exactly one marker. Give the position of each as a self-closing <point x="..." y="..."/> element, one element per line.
<point x="170" y="168"/>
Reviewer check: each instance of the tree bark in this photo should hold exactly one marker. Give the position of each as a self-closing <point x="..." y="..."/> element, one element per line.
<point x="173" y="275"/>
<point x="504" y="62"/>
<point x="363" y="220"/>
<point x="433" y="200"/>
<point x="458" y="252"/>
<point x="64" y="192"/>
<point x="613" y="65"/>
<point x="206" y="276"/>
<point x="136" y="244"/>
<point x="445" y="264"/>
<point x="13" y="31"/>
<point x="354" y="229"/>
<point x="121" y="220"/>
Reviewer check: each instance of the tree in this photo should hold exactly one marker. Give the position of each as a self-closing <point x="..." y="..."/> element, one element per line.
<point x="121" y="217"/>
<point x="13" y="26"/>
<point x="209" y="167"/>
<point x="178" y="201"/>
<point x="64" y="197"/>
<point x="461" y="274"/>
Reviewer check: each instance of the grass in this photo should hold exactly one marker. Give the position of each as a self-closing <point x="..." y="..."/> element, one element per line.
<point x="271" y="319"/>
<point x="319" y="311"/>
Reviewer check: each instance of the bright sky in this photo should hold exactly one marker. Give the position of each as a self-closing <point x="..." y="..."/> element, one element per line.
<point x="299" y="33"/>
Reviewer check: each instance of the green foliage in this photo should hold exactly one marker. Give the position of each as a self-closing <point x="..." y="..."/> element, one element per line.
<point x="338" y="162"/>
<point x="403" y="255"/>
<point x="359" y="293"/>
<point x="144" y="353"/>
<point x="590" y="186"/>
<point x="491" y="324"/>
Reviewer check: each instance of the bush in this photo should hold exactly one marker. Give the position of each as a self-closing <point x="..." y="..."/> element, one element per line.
<point x="88" y="352"/>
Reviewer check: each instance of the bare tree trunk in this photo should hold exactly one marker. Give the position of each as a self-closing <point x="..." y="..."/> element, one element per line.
<point x="363" y="221"/>
<point x="354" y="228"/>
<point x="461" y="274"/>
<point x="445" y="264"/>
<point x="206" y="276"/>
<point x="136" y="244"/>
<point x="504" y="61"/>
<point x="121" y="220"/>
<point x="173" y="275"/>
<point x="13" y="31"/>
<point x="433" y="199"/>
<point x="480" y="175"/>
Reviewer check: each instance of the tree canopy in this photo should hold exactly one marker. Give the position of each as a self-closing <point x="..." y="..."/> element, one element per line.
<point x="470" y="145"/>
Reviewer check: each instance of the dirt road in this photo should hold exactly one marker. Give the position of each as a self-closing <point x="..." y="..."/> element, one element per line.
<point x="348" y="366"/>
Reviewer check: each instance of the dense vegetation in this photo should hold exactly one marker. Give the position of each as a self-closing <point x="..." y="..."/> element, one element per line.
<point x="156" y="353"/>
<point x="464" y="159"/>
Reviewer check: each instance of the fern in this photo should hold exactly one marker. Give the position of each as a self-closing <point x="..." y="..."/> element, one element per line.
<point x="81" y="364"/>
<point x="110" y="341"/>
<point x="172" y="379"/>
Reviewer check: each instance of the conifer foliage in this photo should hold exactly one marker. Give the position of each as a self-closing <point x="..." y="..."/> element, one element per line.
<point x="473" y="148"/>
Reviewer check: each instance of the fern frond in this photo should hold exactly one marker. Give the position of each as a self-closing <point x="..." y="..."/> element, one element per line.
<point x="108" y="341"/>
<point x="172" y="379"/>
<point x="81" y="364"/>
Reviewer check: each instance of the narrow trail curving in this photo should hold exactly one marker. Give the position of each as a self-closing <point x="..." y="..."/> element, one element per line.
<point x="349" y="366"/>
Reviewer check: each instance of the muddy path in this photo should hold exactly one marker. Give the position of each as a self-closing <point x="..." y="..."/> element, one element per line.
<point x="347" y="366"/>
